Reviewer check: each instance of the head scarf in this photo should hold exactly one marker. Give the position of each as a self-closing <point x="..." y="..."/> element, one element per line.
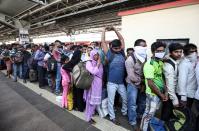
<point x="92" y="54"/>
<point x="76" y="58"/>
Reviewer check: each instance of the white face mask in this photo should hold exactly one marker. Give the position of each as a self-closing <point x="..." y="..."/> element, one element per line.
<point x="192" y="57"/>
<point x="140" y="53"/>
<point x="97" y="48"/>
<point x="160" y="55"/>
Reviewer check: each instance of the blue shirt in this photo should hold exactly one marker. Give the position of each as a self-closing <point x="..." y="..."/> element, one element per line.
<point x="116" y="71"/>
<point x="39" y="56"/>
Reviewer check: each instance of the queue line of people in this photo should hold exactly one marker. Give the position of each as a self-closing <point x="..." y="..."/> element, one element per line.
<point x="142" y="84"/>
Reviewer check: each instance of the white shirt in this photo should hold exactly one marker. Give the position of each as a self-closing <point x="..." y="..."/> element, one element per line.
<point x="171" y="77"/>
<point x="197" y="77"/>
<point x="187" y="79"/>
<point x="47" y="56"/>
<point x="85" y="57"/>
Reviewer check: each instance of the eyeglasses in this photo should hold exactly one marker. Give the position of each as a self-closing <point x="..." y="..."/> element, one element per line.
<point x="193" y="51"/>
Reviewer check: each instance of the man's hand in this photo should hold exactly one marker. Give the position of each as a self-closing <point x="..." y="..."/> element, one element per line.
<point x="163" y="97"/>
<point x="166" y="98"/>
<point x="176" y="106"/>
<point x="183" y="103"/>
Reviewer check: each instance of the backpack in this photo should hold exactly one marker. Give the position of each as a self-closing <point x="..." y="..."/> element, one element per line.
<point x="156" y="125"/>
<point x="184" y="120"/>
<point x="82" y="78"/>
<point x="18" y="57"/>
<point x="32" y="64"/>
<point x="171" y="63"/>
<point x="51" y="65"/>
<point x="32" y="75"/>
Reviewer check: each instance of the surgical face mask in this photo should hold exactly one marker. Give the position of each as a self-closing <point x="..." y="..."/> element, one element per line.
<point x="160" y="55"/>
<point x="97" y="48"/>
<point x="192" y="57"/>
<point x="140" y="53"/>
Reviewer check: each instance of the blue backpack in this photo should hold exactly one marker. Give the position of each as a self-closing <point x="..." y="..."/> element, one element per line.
<point x="156" y="125"/>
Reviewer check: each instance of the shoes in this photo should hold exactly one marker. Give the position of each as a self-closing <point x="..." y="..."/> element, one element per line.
<point x="57" y="93"/>
<point x="92" y="121"/>
<point x="15" y="80"/>
<point x="42" y="87"/>
<point x="52" y="90"/>
<point x="116" y="122"/>
<point x="24" y="81"/>
<point x="124" y="114"/>
<point x="135" y="127"/>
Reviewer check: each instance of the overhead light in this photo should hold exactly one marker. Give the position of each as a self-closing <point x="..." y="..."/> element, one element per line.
<point x="49" y="23"/>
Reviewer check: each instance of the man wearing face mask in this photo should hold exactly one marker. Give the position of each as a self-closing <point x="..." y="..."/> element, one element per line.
<point x="155" y="87"/>
<point x="116" y="72"/>
<point x="84" y="56"/>
<point x="187" y="82"/>
<point x="134" y="64"/>
<point x="171" y="78"/>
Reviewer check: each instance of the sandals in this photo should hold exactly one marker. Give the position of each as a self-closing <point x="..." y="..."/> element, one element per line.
<point x="92" y="121"/>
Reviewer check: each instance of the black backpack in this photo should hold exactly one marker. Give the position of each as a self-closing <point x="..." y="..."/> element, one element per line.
<point x="171" y="63"/>
<point x="184" y="120"/>
<point x="51" y="65"/>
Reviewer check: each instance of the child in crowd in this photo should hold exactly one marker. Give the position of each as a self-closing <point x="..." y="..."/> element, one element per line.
<point x="66" y="80"/>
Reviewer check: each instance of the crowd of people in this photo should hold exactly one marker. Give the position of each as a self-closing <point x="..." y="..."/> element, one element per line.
<point x="142" y="82"/>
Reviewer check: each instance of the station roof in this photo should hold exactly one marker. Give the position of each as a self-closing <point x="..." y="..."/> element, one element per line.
<point x="52" y="16"/>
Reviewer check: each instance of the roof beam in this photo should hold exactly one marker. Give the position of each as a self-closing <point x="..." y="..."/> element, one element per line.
<point x="81" y="11"/>
<point x="4" y="22"/>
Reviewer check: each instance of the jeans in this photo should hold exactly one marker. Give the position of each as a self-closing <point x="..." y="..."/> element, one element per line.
<point x="167" y="110"/>
<point x="17" y="68"/>
<point x="152" y="105"/>
<point x="197" y="119"/>
<point x="58" y="77"/>
<point x="132" y="92"/>
<point x="111" y="89"/>
<point x="141" y="103"/>
<point x="51" y="80"/>
<point x="41" y="75"/>
<point x="25" y="71"/>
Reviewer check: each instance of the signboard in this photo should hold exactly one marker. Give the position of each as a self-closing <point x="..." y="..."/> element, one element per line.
<point x="182" y="41"/>
<point x="23" y="36"/>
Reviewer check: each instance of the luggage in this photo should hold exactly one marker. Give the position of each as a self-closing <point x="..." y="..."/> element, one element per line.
<point x="156" y="125"/>
<point x="51" y="65"/>
<point x="81" y="76"/>
<point x="184" y="121"/>
<point x="18" y="57"/>
<point x="32" y="75"/>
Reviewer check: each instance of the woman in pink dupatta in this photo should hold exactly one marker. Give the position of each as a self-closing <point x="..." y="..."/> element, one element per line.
<point x="93" y="95"/>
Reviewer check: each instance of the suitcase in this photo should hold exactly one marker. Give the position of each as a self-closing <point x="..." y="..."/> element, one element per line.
<point x="32" y="75"/>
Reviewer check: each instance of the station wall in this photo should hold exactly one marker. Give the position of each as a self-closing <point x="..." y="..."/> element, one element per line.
<point x="178" y="22"/>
